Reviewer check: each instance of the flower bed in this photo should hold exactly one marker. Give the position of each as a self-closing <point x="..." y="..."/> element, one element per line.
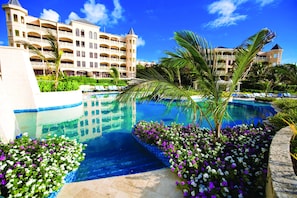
<point x="37" y="168"/>
<point x="235" y="165"/>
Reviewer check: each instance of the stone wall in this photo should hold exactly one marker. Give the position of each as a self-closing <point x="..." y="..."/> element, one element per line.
<point x="282" y="181"/>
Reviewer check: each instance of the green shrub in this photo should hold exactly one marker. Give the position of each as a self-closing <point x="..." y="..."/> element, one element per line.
<point x="288" y="112"/>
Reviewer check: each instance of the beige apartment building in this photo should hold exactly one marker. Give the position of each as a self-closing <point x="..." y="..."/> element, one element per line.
<point x="87" y="51"/>
<point x="226" y="58"/>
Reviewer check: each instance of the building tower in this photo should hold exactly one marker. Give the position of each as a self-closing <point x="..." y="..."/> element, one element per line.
<point x="275" y="55"/>
<point x="16" y="22"/>
<point x="131" y="40"/>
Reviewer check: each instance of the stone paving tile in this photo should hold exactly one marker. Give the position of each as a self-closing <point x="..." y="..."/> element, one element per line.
<point x="152" y="184"/>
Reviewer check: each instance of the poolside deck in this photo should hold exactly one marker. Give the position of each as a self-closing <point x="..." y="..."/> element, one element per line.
<point x="158" y="184"/>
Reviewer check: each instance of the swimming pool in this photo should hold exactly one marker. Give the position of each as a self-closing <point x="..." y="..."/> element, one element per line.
<point x="105" y="126"/>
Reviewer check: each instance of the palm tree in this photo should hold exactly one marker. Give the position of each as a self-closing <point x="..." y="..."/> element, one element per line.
<point x="195" y="51"/>
<point x="115" y="74"/>
<point x="56" y="55"/>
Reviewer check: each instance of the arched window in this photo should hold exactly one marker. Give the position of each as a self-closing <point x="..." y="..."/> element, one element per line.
<point x="77" y="32"/>
<point x="90" y="35"/>
<point x="82" y="33"/>
<point x="95" y="35"/>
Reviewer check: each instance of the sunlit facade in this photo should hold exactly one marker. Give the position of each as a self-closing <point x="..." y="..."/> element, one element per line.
<point x="226" y="57"/>
<point x="86" y="50"/>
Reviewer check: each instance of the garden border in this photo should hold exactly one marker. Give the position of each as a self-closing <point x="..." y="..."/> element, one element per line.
<point x="281" y="178"/>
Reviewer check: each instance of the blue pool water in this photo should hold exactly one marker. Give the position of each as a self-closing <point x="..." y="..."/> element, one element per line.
<point x="105" y="126"/>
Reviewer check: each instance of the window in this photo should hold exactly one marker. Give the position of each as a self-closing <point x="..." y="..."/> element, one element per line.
<point x="78" y="53"/>
<point x="91" y="64"/>
<point x="90" y="35"/>
<point x="8" y="17"/>
<point x="84" y="63"/>
<point x="17" y="33"/>
<point x="15" y="18"/>
<point x="83" y="44"/>
<point x="82" y="33"/>
<point x="96" y="65"/>
<point x="91" y="54"/>
<point x="95" y="45"/>
<point x="77" y="43"/>
<point x="22" y="20"/>
<point x="86" y="113"/>
<point x="83" y="54"/>
<point x="24" y="34"/>
<point x="77" y="32"/>
<point x="91" y="45"/>
<point x="275" y="55"/>
<point x="95" y="35"/>
<point x="95" y="55"/>
<point x="78" y="63"/>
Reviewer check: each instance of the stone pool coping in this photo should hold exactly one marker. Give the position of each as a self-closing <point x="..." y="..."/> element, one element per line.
<point x="282" y="181"/>
<point x="158" y="184"/>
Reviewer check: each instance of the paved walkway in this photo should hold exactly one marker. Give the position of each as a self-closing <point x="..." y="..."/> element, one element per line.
<point x="152" y="184"/>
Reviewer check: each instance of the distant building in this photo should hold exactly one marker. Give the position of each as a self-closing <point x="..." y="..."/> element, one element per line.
<point x="87" y="50"/>
<point x="146" y="63"/>
<point x="226" y="58"/>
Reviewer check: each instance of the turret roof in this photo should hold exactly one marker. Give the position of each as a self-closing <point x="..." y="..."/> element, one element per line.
<point x="276" y="47"/>
<point x="131" y="31"/>
<point x="14" y="2"/>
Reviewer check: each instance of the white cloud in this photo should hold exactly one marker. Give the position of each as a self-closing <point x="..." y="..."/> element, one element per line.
<point x="264" y="2"/>
<point x="140" y="42"/>
<point x="50" y="15"/>
<point x="97" y="13"/>
<point x="117" y="13"/>
<point x="72" y="16"/>
<point x="225" y="9"/>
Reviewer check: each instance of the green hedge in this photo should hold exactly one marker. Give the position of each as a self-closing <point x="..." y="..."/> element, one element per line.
<point x="288" y="112"/>
<point x="70" y="83"/>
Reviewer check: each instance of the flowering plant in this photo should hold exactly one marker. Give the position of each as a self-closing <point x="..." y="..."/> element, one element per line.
<point x="36" y="168"/>
<point x="235" y="166"/>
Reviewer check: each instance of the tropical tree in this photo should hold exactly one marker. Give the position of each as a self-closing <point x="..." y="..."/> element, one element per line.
<point x="195" y="51"/>
<point x="289" y="71"/>
<point x="115" y="74"/>
<point x="55" y="53"/>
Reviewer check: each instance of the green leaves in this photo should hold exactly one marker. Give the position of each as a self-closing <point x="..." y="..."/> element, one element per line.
<point x="196" y="53"/>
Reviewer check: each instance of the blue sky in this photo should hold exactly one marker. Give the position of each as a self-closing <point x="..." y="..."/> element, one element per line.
<point x="222" y="22"/>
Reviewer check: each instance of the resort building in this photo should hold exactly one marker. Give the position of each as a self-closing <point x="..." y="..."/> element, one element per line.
<point x="86" y="50"/>
<point x="226" y="58"/>
<point x="146" y="63"/>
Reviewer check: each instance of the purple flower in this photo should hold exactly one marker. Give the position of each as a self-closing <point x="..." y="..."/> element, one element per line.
<point x="224" y="183"/>
<point x="211" y="185"/>
<point x="3" y="182"/>
<point x="1" y="176"/>
<point x="233" y="165"/>
<point x="2" y="157"/>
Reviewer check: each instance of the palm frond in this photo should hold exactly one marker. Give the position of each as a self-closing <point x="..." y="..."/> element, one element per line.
<point x="247" y="51"/>
<point x="159" y="88"/>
